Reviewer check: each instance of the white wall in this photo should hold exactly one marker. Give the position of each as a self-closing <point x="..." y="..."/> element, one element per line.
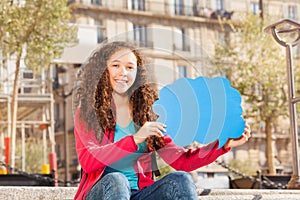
<point x="219" y="181"/>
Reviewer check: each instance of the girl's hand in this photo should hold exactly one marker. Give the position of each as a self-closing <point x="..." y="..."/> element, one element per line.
<point x="239" y="141"/>
<point x="148" y="129"/>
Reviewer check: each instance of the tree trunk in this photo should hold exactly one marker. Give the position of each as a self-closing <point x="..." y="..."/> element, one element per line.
<point x="14" y="107"/>
<point x="16" y="82"/>
<point x="270" y="152"/>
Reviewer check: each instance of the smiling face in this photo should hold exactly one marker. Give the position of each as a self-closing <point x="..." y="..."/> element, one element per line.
<point x="122" y="68"/>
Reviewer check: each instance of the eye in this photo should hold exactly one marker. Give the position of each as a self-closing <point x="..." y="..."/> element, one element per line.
<point x="115" y="65"/>
<point x="130" y="67"/>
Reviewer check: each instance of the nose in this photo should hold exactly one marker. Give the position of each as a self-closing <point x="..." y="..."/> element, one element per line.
<point x="122" y="70"/>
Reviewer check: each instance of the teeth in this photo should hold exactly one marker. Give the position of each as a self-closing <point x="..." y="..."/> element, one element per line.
<point x="121" y="81"/>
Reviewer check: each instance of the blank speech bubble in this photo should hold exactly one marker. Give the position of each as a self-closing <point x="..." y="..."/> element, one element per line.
<point x="202" y="109"/>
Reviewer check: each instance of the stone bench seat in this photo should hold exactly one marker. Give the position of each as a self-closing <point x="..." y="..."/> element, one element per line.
<point x="62" y="193"/>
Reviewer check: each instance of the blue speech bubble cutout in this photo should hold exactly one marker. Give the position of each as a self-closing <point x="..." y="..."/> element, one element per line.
<point x="202" y="109"/>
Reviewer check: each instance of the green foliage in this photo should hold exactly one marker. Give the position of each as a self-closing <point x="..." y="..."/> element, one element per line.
<point x="256" y="65"/>
<point x="33" y="155"/>
<point x="39" y="28"/>
<point x="247" y="167"/>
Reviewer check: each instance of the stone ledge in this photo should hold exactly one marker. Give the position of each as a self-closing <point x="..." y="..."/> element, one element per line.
<point x="248" y="194"/>
<point x="205" y="192"/>
<point x="65" y="193"/>
<point x="250" y="197"/>
<point x="32" y="193"/>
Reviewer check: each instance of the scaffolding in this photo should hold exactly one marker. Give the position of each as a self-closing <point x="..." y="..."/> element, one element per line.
<point x="35" y="111"/>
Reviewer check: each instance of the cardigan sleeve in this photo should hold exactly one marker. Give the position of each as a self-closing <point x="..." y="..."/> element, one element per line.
<point x="92" y="155"/>
<point x="190" y="159"/>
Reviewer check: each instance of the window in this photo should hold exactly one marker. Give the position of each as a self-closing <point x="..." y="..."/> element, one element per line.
<point x="27" y="74"/>
<point x="100" y="32"/>
<point x="182" y="71"/>
<point x="210" y="175"/>
<point x="254" y="7"/>
<point x="185" y="41"/>
<point x="140" y="35"/>
<point x="292" y="12"/>
<point x="178" y="7"/>
<point x="181" y="41"/>
<point x="138" y="5"/>
<point x="219" y="4"/>
<point x="96" y="2"/>
<point x="196" y="8"/>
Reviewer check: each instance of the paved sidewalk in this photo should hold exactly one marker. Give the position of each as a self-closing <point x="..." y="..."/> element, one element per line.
<point x="63" y="193"/>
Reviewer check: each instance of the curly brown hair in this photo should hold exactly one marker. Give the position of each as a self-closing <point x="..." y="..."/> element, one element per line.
<point x="94" y="82"/>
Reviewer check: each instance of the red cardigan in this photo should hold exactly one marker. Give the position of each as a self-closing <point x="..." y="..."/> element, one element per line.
<point x="94" y="157"/>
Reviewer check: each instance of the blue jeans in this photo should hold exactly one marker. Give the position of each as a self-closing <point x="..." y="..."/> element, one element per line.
<point x="174" y="186"/>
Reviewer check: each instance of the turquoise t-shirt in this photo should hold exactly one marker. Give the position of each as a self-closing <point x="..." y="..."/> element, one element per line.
<point x="125" y="165"/>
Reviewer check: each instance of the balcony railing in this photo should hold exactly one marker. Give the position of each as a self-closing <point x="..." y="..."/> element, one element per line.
<point x="181" y="48"/>
<point x="159" y="8"/>
<point x="28" y="82"/>
<point x="148" y="44"/>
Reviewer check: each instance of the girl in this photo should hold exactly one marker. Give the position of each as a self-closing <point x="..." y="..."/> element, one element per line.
<point x="117" y="133"/>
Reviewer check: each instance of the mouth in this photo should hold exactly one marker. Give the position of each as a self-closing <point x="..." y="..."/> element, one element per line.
<point x="121" y="81"/>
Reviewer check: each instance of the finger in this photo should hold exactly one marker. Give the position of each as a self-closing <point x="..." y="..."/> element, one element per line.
<point x="156" y="131"/>
<point x="247" y="125"/>
<point x="159" y="134"/>
<point x="245" y="136"/>
<point x="159" y="124"/>
<point x="247" y="132"/>
<point x="161" y="127"/>
<point x="246" y="129"/>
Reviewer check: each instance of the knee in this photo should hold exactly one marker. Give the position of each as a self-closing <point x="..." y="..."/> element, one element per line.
<point x="111" y="186"/>
<point x="182" y="186"/>
<point x="116" y="179"/>
<point x="182" y="178"/>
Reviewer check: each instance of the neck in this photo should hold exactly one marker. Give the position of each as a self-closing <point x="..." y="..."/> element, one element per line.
<point x="123" y="111"/>
<point x="120" y="100"/>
